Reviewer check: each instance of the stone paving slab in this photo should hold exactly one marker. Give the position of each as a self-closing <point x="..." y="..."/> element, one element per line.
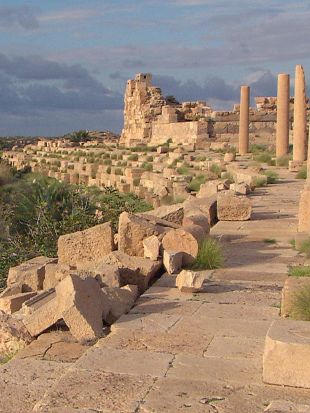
<point x="235" y="347"/>
<point x="236" y="311"/>
<point x="146" y="322"/>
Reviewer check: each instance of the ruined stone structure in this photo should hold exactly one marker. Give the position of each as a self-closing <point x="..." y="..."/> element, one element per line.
<point x="300" y="116"/>
<point x="283" y="103"/>
<point x="244" y="120"/>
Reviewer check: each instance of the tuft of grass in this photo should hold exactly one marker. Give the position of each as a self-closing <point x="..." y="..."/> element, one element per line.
<point x="272" y="176"/>
<point x="293" y="243"/>
<point x="216" y="169"/>
<point x="259" y="182"/>
<point x="301" y="305"/>
<point x="270" y="241"/>
<point x="299" y="271"/>
<point x="257" y="148"/>
<point x="302" y="174"/>
<point x="210" y="256"/>
<point x="184" y="170"/>
<point x="196" y="183"/>
<point x="283" y="160"/>
<point x="305" y="247"/>
<point x="229" y="177"/>
<point x="263" y="157"/>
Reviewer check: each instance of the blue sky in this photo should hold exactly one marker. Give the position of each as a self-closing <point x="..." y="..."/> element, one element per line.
<point x="64" y="64"/>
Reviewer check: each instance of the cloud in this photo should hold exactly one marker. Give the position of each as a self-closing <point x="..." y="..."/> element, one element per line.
<point x="18" y="17"/>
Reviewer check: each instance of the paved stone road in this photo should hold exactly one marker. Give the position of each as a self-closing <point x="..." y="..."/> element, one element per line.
<point x="177" y="352"/>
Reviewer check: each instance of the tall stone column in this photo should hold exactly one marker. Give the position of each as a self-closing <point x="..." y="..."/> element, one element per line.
<point x="304" y="205"/>
<point x="300" y="116"/>
<point x="283" y="105"/>
<point x="244" y="120"/>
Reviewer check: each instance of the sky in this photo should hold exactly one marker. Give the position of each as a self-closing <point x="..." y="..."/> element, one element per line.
<point x="64" y="64"/>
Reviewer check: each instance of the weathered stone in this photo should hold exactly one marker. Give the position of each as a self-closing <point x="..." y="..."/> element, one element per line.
<point x="207" y="206"/>
<point x="13" y="303"/>
<point x="12" y="290"/>
<point x="292" y="286"/>
<point x="151" y="247"/>
<point x="134" y="270"/>
<point x="173" y="261"/>
<point x="304" y="211"/>
<point x="231" y="207"/>
<point x="209" y="188"/>
<point x="82" y="306"/>
<point x="185" y="240"/>
<point x="240" y="188"/>
<point x="30" y="274"/>
<point x="229" y="157"/>
<point x="189" y="281"/>
<point x="13" y="335"/>
<point x="283" y="122"/>
<point x="197" y="218"/>
<point x="171" y="213"/>
<point x="121" y="300"/>
<point x="107" y="275"/>
<point x="55" y="273"/>
<point x="286" y="360"/>
<point x="284" y="406"/>
<point x="244" y="120"/>
<point x="132" y="230"/>
<point x="91" y="244"/>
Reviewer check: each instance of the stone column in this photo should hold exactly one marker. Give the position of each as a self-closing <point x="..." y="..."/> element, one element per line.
<point x="304" y="206"/>
<point x="300" y="116"/>
<point x="244" y="120"/>
<point x="283" y="104"/>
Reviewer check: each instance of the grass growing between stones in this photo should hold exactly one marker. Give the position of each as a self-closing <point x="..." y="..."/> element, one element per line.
<point x="283" y="161"/>
<point x="302" y="174"/>
<point x="210" y="256"/>
<point x="196" y="183"/>
<point x="301" y="305"/>
<point x="305" y="247"/>
<point x="272" y="176"/>
<point x="270" y="241"/>
<point x="299" y="271"/>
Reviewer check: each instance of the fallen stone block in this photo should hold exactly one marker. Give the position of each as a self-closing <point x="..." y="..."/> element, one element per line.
<point x="185" y="240"/>
<point x="91" y="244"/>
<point x="13" y="303"/>
<point x="132" y="230"/>
<point x="292" y="286"/>
<point x="151" y="246"/>
<point x="171" y="213"/>
<point x="189" y="281"/>
<point x="285" y="406"/>
<point x="83" y="307"/>
<point x="30" y="274"/>
<point x="13" y="335"/>
<point x="107" y="275"/>
<point x="207" y="206"/>
<point x="286" y="359"/>
<point x="54" y="273"/>
<point x="172" y="261"/>
<point x="121" y="300"/>
<point x="195" y="217"/>
<point x="209" y="188"/>
<point x="240" y="189"/>
<point x="231" y="207"/>
<point x="12" y="290"/>
<point x="134" y="270"/>
<point x="229" y="157"/>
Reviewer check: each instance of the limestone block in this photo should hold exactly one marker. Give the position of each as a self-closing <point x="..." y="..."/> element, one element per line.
<point x="91" y="244"/>
<point x="207" y="206"/>
<point x="132" y="230"/>
<point x="185" y="240"/>
<point x="209" y="188"/>
<point x="121" y="300"/>
<point x="55" y="273"/>
<point x="291" y="287"/>
<point x="286" y="359"/>
<point x="284" y="406"/>
<point x="13" y="303"/>
<point x="189" y="281"/>
<point x="107" y="275"/>
<point x="134" y="270"/>
<point x="151" y="247"/>
<point x="83" y="306"/>
<point x="172" y="261"/>
<point x="304" y="211"/>
<point x="12" y="290"/>
<point x="30" y="274"/>
<point x="13" y="335"/>
<point x="240" y="188"/>
<point x="170" y="213"/>
<point x="195" y="217"/>
<point x="229" y="157"/>
<point x="231" y="207"/>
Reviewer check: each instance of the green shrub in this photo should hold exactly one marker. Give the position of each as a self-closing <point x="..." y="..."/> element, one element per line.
<point x="301" y="305"/>
<point x="283" y="160"/>
<point x="210" y="256"/>
<point x="216" y="169"/>
<point x="107" y="162"/>
<point x="264" y="157"/>
<point x="196" y="183"/>
<point x="229" y="177"/>
<point x="299" y="271"/>
<point x="136" y="182"/>
<point x="305" y="247"/>
<point x="118" y="171"/>
<point x="259" y="182"/>
<point x="270" y="241"/>
<point x="183" y="170"/>
<point x="272" y="176"/>
<point x="147" y="166"/>
<point x="257" y="148"/>
<point x="302" y="174"/>
<point x="133" y="157"/>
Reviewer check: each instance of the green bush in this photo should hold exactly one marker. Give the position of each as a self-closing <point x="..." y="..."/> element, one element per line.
<point x="283" y="160"/>
<point x="257" y="148"/>
<point x="133" y="157"/>
<point x="302" y="174"/>
<point x="299" y="271"/>
<point x="305" y="247"/>
<point x="210" y="256"/>
<point x="118" y="171"/>
<point x="301" y="305"/>
<point x="184" y="170"/>
<point x="272" y="176"/>
<point x="196" y="183"/>
<point x="147" y="166"/>
<point x="264" y="157"/>
<point x="259" y="182"/>
<point x="216" y="169"/>
<point x="270" y="241"/>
